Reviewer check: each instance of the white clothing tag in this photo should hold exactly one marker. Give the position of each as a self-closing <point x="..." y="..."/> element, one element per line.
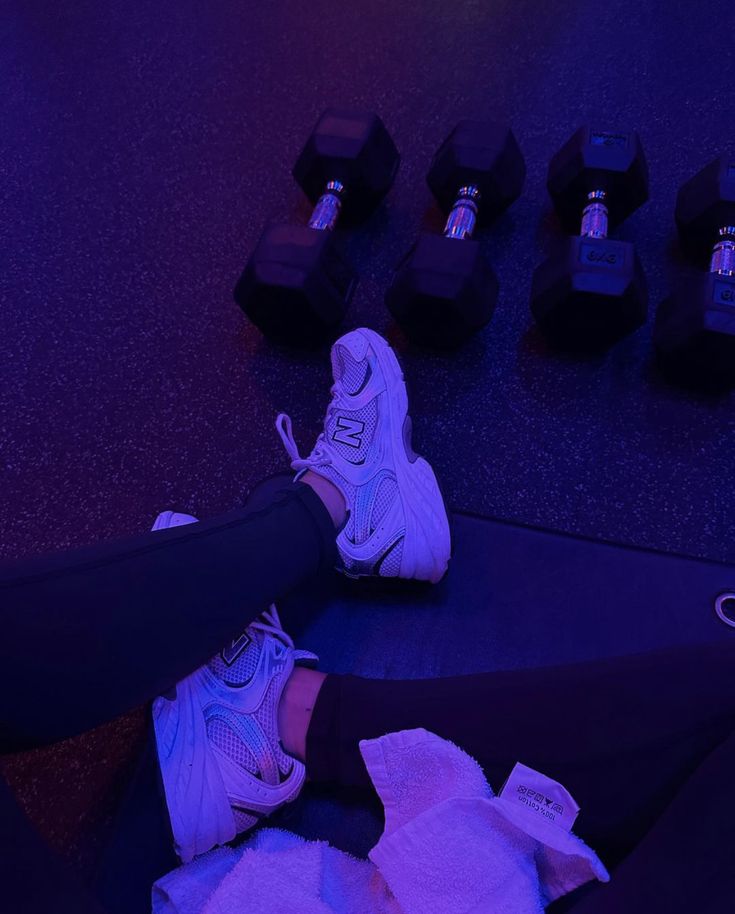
<point x="540" y="797"/>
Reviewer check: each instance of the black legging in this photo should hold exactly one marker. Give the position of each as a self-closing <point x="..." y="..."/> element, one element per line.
<point x="645" y="744"/>
<point x="106" y="628"/>
<point x="90" y="634"/>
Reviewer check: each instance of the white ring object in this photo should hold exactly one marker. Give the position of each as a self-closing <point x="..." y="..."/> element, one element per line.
<point x="719" y="604"/>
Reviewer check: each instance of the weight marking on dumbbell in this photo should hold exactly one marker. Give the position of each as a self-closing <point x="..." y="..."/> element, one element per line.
<point x="591" y="254"/>
<point x="608" y="139"/>
<point x="723" y="294"/>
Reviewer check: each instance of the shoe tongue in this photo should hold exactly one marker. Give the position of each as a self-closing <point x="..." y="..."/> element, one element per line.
<point x="350" y="372"/>
<point x="236" y="664"/>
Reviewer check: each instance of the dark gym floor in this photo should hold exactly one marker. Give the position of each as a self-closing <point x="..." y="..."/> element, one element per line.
<point x="143" y="147"/>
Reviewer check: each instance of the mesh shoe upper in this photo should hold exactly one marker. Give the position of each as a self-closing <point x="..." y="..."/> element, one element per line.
<point x="353" y="453"/>
<point x="246" y="681"/>
<point x="222" y="763"/>
<point x="397" y="524"/>
<point x="371" y="501"/>
<point x="240" y="667"/>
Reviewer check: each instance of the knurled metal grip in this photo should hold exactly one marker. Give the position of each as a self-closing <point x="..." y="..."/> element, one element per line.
<point x="326" y="212"/>
<point x="594" y="216"/>
<point x="723" y="255"/>
<point x="463" y="214"/>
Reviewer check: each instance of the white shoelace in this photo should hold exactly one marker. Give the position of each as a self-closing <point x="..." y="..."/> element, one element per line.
<point x="319" y="456"/>
<point x="270" y="624"/>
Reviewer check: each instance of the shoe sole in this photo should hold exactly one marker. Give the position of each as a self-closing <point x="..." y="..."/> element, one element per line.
<point x="427" y="541"/>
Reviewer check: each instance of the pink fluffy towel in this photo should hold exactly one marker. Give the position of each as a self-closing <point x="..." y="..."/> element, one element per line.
<point x="449" y="845"/>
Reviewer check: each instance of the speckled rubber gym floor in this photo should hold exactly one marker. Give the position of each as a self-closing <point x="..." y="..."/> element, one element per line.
<point x="143" y="148"/>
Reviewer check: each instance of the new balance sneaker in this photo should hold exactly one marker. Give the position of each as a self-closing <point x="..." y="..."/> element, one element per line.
<point x="222" y="764"/>
<point x="397" y="524"/>
<point x="168" y="519"/>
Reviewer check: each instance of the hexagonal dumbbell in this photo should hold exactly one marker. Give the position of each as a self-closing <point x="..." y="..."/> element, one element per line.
<point x="443" y="290"/>
<point x="695" y="325"/>
<point x="297" y="284"/>
<point x="592" y="290"/>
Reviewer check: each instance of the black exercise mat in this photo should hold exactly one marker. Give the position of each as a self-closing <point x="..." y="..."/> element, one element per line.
<point x="514" y="597"/>
<point x="519" y="597"/>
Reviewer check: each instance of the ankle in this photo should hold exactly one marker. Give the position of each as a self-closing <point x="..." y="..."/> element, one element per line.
<point x="296" y="708"/>
<point x="330" y="495"/>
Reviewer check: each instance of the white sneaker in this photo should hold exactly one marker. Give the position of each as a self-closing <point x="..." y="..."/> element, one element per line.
<point x="397" y="524"/>
<point x="222" y="763"/>
<point x="168" y="519"/>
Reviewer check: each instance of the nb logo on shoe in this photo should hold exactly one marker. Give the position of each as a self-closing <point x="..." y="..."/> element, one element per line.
<point x="231" y="653"/>
<point x="348" y="431"/>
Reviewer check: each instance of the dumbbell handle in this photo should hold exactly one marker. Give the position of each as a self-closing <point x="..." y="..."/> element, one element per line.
<point x="326" y="211"/>
<point x="594" y="215"/>
<point x="723" y="254"/>
<point x="463" y="214"/>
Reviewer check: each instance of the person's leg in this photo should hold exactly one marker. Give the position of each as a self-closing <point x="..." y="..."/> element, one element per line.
<point x="623" y="735"/>
<point x="92" y="633"/>
<point x="222" y="762"/>
<point x="117" y="624"/>
<point x="112" y="626"/>
<point x="685" y="862"/>
<point x="42" y="594"/>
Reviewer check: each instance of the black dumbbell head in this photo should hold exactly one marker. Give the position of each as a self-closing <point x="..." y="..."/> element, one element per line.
<point x="480" y="153"/>
<point x="705" y="204"/>
<point x="443" y="291"/>
<point x="296" y="285"/>
<point x="594" y="160"/>
<point x="355" y="148"/>
<point x="695" y="328"/>
<point x="590" y="293"/>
